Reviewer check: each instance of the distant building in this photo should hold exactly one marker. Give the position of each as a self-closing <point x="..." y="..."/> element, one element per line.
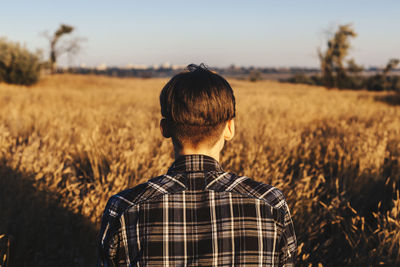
<point x="102" y="66"/>
<point x="140" y="67"/>
<point x="166" y="65"/>
<point x="178" y="67"/>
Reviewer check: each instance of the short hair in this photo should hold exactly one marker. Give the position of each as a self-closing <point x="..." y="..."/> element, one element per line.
<point x="196" y="104"/>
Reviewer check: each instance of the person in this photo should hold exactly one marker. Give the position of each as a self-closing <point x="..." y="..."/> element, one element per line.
<point x="197" y="214"/>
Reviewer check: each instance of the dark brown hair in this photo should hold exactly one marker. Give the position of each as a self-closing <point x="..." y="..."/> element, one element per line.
<point x="196" y="104"/>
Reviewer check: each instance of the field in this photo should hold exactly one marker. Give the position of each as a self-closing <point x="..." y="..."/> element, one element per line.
<point x="70" y="142"/>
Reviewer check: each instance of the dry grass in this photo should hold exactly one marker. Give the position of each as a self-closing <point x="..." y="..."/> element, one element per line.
<point x="70" y="142"/>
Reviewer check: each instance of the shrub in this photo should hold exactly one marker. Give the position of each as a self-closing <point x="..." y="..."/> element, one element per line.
<point x="17" y="64"/>
<point x="375" y="83"/>
<point x="396" y="83"/>
<point x="351" y="82"/>
<point x="299" y="78"/>
<point x="393" y="83"/>
<point x="380" y="82"/>
<point x="254" y="75"/>
<point x="303" y="78"/>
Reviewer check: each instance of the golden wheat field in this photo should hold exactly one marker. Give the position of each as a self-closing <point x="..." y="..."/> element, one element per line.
<point x="70" y="142"/>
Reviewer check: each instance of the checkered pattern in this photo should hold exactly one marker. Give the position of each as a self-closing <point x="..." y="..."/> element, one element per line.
<point x="197" y="215"/>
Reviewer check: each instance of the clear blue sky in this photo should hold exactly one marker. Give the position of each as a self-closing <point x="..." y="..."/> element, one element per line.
<point x="218" y="33"/>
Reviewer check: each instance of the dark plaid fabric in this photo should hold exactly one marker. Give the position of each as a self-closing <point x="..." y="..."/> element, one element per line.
<point x="197" y="215"/>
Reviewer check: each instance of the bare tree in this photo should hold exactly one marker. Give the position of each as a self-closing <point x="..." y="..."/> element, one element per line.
<point x="57" y="48"/>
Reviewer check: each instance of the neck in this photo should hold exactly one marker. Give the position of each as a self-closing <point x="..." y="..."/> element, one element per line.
<point x="211" y="152"/>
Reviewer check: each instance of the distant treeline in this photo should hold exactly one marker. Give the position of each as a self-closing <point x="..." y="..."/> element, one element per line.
<point x="369" y="78"/>
<point x="375" y="82"/>
<point x="232" y="71"/>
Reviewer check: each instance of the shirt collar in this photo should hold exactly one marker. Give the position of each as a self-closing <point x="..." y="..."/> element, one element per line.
<point x="195" y="163"/>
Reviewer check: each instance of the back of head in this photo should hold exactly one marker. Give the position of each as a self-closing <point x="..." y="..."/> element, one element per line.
<point x="196" y="104"/>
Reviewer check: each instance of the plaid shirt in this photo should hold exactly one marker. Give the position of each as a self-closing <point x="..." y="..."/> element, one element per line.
<point x="197" y="215"/>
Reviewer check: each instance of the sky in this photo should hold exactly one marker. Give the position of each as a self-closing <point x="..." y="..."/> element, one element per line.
<point x="279" y="33"/>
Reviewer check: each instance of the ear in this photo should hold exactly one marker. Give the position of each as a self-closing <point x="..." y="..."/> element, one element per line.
<point x="164" y="128"/>
<point x="229" y="130"/>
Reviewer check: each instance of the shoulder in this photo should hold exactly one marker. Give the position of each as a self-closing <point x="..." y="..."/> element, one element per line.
<point x="154" y="188"/>
<point x="247" y="186"/>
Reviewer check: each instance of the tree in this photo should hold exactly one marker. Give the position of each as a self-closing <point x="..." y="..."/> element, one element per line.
<point x="382" y="82"/>
<point x="354" y="79"/>
<point x="353" y="67"/>
<point x="332" y="67"/>
<point x="71" y="46"/>
<point x="17" y="64"/>
<point x="392" y="64"/>
<point x="390" y="82"/>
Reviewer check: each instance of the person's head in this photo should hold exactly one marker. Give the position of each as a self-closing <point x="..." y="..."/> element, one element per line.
<point x="198" y="107"/>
